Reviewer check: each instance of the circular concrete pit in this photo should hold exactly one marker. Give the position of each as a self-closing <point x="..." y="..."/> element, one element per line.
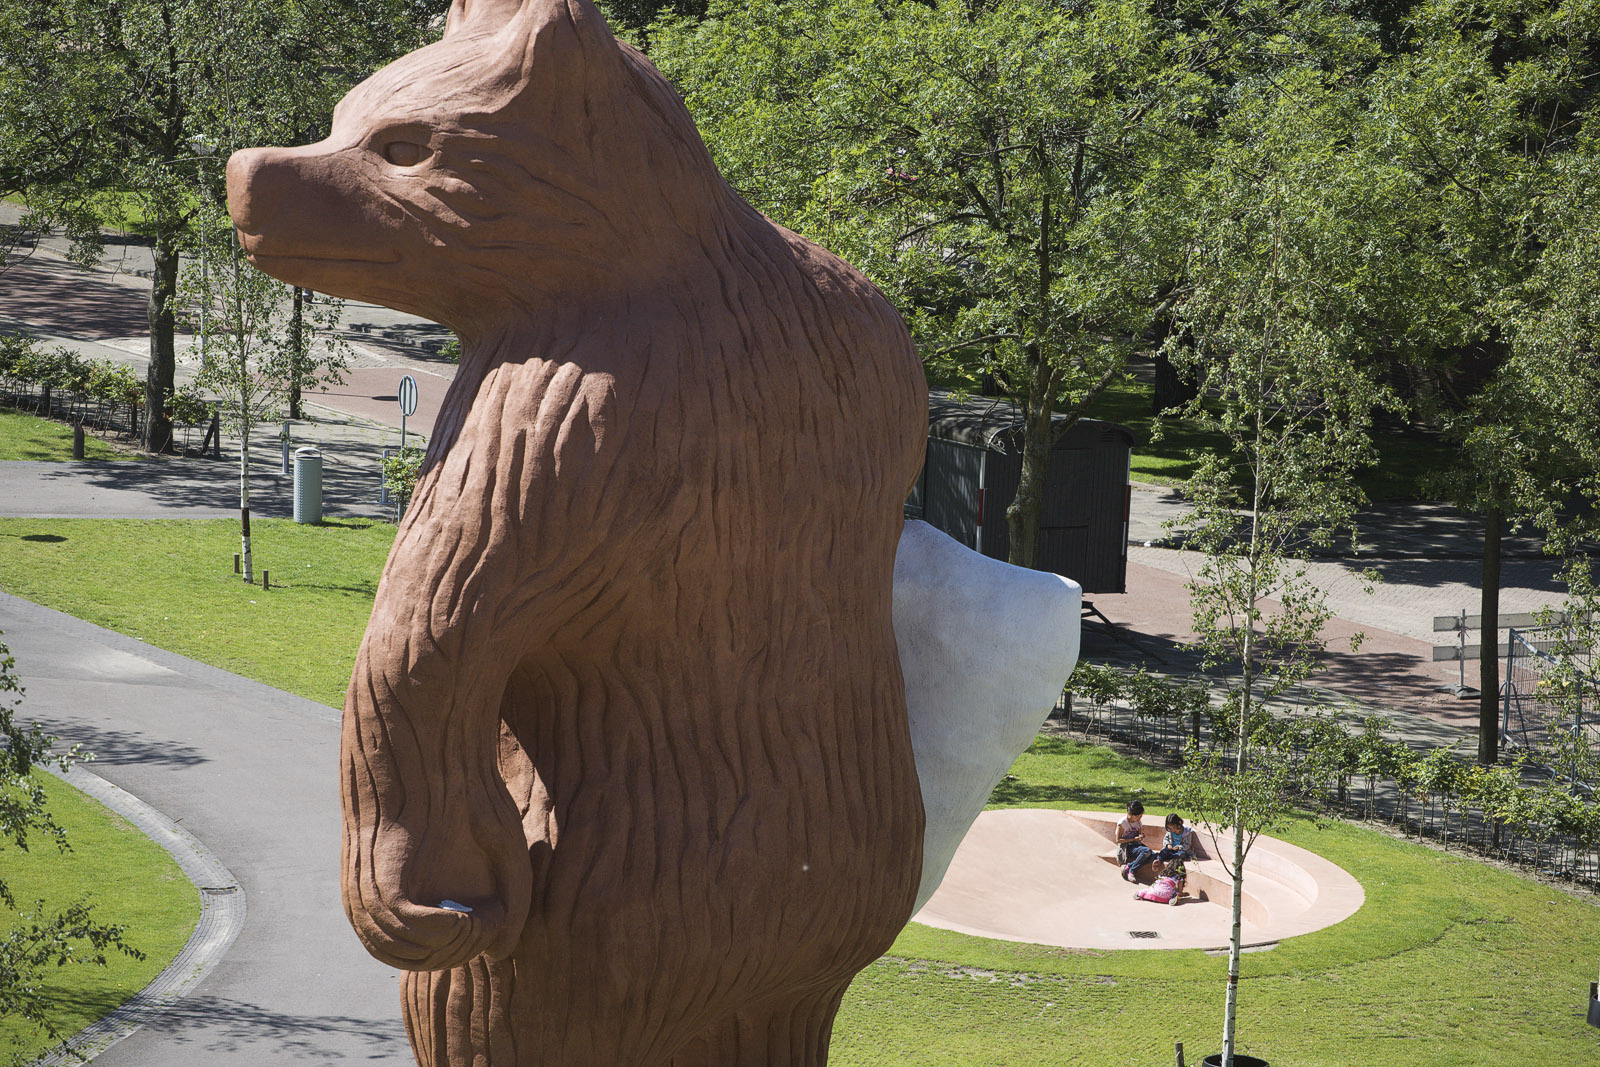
<point x="1051" y="877"/>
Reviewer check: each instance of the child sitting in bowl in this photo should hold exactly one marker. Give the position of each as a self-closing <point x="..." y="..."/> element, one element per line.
<point x="1168" y="886"/>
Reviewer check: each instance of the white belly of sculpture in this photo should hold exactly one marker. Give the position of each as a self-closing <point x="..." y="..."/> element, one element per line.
<point x="985" y="648"/>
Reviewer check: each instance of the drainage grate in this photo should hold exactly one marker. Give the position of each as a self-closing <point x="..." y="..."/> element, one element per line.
<point x="1143" y="933"/>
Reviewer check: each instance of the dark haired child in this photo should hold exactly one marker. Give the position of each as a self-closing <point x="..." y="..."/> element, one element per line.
<point x="1132" y="852"/>
<point x="1178" y="844"/>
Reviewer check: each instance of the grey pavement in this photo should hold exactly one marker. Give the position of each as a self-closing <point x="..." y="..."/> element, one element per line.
<point x="1426" y="558"/>
<point x="194" y="487"/>
<point x="253" y="773"/>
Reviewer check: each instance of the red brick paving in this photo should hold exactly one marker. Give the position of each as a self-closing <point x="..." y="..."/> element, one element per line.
<point x="1390" y="672"/>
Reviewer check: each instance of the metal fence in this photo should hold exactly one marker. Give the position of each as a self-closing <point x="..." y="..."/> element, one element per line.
<point x="1528" y="812"/>
<point x="1550" y="702"/>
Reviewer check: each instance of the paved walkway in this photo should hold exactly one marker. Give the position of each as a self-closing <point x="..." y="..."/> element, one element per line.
<point x="100" y="314"/>
<point x="1426" y="559"/>
<point x="253" y="773"/>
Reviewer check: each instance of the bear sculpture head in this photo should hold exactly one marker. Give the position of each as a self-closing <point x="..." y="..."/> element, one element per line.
<point x="525" y="156"/>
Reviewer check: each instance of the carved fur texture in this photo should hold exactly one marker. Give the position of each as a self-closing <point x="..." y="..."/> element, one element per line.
<point x="629" y="691"/>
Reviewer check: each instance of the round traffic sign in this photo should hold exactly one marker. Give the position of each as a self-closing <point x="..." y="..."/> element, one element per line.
<point x="408" y="395"/>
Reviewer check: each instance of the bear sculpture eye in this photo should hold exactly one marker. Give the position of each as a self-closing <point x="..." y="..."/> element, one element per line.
<point x="405" y="153"/>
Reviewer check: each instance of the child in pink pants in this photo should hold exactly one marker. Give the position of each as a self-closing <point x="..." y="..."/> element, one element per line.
<point x="1168" y="885"/>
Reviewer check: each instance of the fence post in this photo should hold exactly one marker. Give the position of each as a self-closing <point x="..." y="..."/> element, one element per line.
<point x="213" y="435"/>
<point x="1506" y="689"/>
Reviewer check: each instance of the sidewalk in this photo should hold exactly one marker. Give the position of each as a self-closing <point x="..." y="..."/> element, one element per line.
<point x="1426" y="554"/>
<point x="1426" y="559"/>
<point x="100" y="314"/>
<point x="253" y="772"/>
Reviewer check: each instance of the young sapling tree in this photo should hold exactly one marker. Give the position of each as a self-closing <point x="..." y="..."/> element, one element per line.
<point x="253" y="355"/>
<point x="1283" y="383"/>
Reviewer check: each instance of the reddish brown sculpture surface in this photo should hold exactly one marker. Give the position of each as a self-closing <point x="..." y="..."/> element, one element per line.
<point x="629" y="691"/>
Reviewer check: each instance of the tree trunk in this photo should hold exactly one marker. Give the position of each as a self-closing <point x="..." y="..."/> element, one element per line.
<point x="1172" y="389"/>
<point x="297" y="354"/>
<point x="1230" y="1005"/>
<point x="158" y="383"/>
<point x="244" y="504"/>
<point x="1489" y="660"/>
<point x="1022" y="516"/>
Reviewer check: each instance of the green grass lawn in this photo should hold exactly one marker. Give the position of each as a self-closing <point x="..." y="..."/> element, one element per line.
<point x="119" y="211"/>
<point x="24" y="436"/>
<point x="1449" y="962"/>
<point x="171" y="583"/>
<point x="128" y="879"/>
<point x="1166" y="460"/>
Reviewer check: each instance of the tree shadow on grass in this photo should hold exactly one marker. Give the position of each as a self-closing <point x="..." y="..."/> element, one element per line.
<point x="1091" y="798"/>
<point x="1108" y="796"/>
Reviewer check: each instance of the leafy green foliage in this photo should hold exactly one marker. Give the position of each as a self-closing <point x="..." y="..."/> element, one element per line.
<point x="22" y="807"/>
<point x="1006" y="173"/>
<point x="257" y="347"/>
<point x="123" y="874"/>
<point x="401" y="469"/>
<point x="144" y="99"/>
<point x="252" y="355"/>
<point x="1283" y="380"/>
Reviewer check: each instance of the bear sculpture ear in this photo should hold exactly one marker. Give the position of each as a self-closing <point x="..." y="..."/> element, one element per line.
<point x="491" y="16"/>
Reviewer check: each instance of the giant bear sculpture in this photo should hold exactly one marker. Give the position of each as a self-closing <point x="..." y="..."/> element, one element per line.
<point x="627" y="768"/>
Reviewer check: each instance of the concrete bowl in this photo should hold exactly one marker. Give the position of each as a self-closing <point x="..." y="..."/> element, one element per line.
<point x="1051" y="877"/>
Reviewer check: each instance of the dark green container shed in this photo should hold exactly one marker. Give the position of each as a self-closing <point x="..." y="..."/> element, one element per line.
<point x="970" y="476"/>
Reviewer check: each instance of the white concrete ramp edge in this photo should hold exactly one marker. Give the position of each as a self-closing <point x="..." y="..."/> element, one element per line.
<point x="222" y="912"/>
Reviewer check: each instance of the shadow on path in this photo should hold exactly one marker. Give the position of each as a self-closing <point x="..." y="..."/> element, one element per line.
<point x="349" y="486"/>
<point x="126" y="747"/>
<point x="227" y="1027"/>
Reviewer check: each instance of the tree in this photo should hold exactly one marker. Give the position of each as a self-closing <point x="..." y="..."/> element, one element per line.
<point x="635" y="16"/>
<point x="253" y="351"/>
<point x="113" y="106"/>
<point x="1285" y="382"/>
<point x="1007" y="173"/>
<point x="38" y="939"/>
<point x="1481" y="110"/>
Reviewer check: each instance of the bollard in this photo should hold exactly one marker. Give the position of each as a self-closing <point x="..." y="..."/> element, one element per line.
<point x="236" y="563"/>
<point x="77" y="439"/>
<point x="307" y="485"/>
<point x="264" y="579"/>
<point x="383" y="483"/>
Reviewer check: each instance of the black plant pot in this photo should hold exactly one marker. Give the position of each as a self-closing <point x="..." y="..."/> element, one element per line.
<point x="1239" y="1060"/>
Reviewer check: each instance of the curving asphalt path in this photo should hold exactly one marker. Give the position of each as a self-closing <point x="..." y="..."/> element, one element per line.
<point x="252" y="772"/>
